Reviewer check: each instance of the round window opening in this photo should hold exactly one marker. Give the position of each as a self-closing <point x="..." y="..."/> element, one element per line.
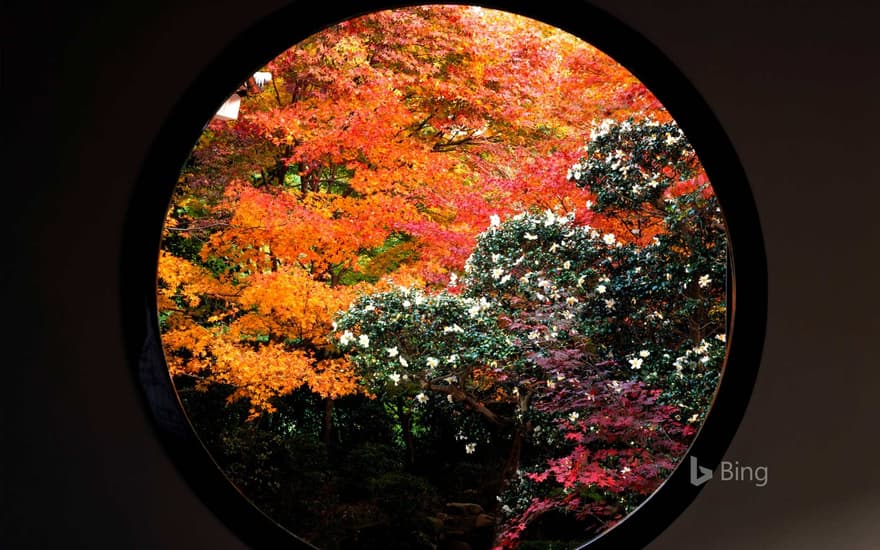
<point x="443" y="276"/>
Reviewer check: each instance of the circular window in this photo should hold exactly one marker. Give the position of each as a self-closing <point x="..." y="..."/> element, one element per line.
<point x="444" y="276"/>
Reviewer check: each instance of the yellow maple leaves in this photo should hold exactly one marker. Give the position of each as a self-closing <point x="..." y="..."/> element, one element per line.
<point x="248" y="340"/>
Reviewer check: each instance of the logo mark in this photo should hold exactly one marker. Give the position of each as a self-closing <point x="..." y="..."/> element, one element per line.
<point x="699" y="474"/>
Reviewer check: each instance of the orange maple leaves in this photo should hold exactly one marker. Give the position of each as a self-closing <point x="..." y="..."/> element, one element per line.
<point x="381" y="150"/>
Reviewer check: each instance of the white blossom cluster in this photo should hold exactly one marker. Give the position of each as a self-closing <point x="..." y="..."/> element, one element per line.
<point x="698" y="354"/>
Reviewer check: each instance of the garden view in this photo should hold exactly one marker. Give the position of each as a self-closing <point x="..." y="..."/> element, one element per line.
<point x="452" y="278"/>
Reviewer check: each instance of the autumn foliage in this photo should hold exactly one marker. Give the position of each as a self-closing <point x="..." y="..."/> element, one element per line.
<point x="336" y="241"/>
<point x="370" y="157"/>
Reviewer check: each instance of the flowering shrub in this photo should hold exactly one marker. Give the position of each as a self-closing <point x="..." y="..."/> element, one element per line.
<point x="404" y="341"/>
<point x="665" y="293"/>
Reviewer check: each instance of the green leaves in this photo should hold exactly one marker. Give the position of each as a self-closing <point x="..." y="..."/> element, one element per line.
<point x="403" y="340"/>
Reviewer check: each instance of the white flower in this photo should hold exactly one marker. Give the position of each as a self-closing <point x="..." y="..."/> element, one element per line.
<point x="530" y="237"/>
<point x="453" y="279"/>
<point x="625" y="470"/>
<point x="635" y="363"/>
<point x="407" y="304"/>
<point x="568" y="315"/>
<point x="497" y="272"/>
<point x="392" y="352"/>
<point x="721" y="337"/>
<point x="644" y="353"/>
<point x="703" y="347"/>
<point x="394" y="377"/>
<point x="364" y="340"/>
<point x="403" y="362"/>
<point x="432" y="362"/>
<point x="694" y="418"/>
<point x="580" y="281"/>
<point x="369" y="307"/>
<point x="515" y="391"/>
<point x="506" y="509"/>
<point x="534" y="335"/>
<point x="704" y="281"/>
<point x="551" y="384"/>
<point x="421" y="397"/>
<point x="544" y="283"/>
<point x="496" y="258"/>
<point x="609" y="238"/>
<point x="610" y="303"/>
<point x="449" y="397"/>
<point x="589" y="204"/>
<point x="494" y="220"/>
<point x="554" y="247"/>
<point x="601" y="289"/>
<point x="566" y="264"/>
<point x="470" y="448"/>
<point x="669" y="276"/>
<point x="571" y="300"/>
<point x="419" y="299"/>
<point x="573" y="416"/>
<point x="452" y="358"/>
<point x="346" y="338"/>
<point x="504" y="279"/>
<point x="549" y="218"/>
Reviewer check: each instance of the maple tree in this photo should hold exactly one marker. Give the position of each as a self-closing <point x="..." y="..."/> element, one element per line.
<point x="495" y="224"/>
<point x="369" y="156"/>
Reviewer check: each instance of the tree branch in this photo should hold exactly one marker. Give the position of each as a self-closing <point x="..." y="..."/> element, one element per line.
<point x="473" y="403"/>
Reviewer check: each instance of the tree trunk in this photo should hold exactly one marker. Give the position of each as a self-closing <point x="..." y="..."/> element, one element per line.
<point x="328" y="422"/>
<point x="513" y="457"/>
<point x="406" y="428"/>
